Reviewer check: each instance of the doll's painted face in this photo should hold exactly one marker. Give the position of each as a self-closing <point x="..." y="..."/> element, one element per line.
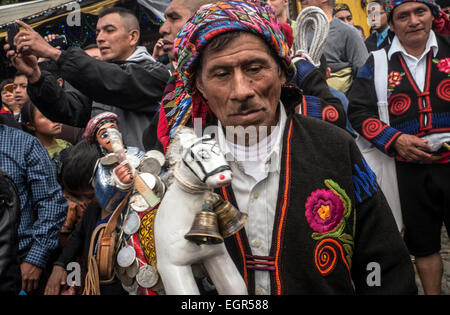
<point x="103" y="137"/>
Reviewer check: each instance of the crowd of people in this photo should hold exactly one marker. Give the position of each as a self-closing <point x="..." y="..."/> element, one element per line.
<point x="317" y="217"/>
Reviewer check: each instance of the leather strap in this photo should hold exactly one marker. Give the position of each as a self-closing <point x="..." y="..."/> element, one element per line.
<point x="107" y="243"/>
<point x="110" y="227"/>
<point x="91" y="283"/>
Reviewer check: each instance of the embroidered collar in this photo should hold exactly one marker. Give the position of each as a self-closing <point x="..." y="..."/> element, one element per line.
<point x="397" y="47"/>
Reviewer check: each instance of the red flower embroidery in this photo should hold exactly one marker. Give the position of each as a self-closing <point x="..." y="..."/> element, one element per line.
<point x="444" y="65"/>
<point x="394" y="79"/>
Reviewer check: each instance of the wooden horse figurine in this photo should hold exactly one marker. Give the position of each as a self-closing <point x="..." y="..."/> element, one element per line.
<point x="201" y="168"/>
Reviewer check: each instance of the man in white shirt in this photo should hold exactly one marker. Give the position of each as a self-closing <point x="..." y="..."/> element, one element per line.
<point x="311" y="200"/>
<point x="418" y="87"/>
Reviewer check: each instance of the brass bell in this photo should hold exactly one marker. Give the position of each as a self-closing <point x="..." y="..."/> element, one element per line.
<point x="204" y="229"/>
<point x="231" y="220"/>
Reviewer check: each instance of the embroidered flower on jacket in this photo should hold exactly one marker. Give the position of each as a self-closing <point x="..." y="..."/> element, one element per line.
<point x="327" y="212"/>
<point x="444" y="65"/>
<point x="395" y="78"/>
<point x="324" y="210"/>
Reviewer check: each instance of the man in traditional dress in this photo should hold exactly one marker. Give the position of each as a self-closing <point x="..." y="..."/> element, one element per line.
<point x="317" y="223"/>
<point x="418" y="96"/>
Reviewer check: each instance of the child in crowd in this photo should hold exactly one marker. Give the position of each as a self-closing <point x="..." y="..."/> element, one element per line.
<point x="44" y="129"/>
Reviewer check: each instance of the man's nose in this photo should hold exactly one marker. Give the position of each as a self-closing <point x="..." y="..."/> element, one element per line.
<point x="242" y="87"/>
<point x="100" y="37"/>
<point x="414" y="20"/>
<point x="164" y="29"/>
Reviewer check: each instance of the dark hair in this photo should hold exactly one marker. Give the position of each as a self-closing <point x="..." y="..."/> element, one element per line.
<point x="359" y="27"/>
<point x="18" y="74"/>
<point x="128" y="16"/>
<point x="78" y="166"/>
<point x="27" y="116"/>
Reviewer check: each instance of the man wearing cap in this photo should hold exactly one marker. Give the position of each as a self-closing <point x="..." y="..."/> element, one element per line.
<point x="7" y="94"/>
<point x="316" y="218"/>
<point x="418" y="96"/>
<point x="343" y="13"/>
<point x="7" y="101"/>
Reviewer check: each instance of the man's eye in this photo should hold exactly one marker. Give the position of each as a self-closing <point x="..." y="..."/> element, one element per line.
<point x="254" y="69"/>
<point x="220" y="74"/>
<point x="104" y="136"/>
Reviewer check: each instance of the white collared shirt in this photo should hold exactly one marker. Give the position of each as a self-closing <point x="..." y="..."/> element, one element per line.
<point x="417" y="65"/>
<point x="256" y="175"/>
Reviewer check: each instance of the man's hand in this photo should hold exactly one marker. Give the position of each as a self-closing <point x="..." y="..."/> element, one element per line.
<point x="28" y="41"/>
<point x="158" y="50"/>
<point x="30" y="276"/>
<point x="26" y="64"/>
<point x="56" y="281"/>
<point x="412" y="148"/>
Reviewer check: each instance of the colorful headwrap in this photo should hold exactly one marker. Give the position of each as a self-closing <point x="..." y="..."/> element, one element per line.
<point x="181" y="103"/>
<point x="340" y="7"/>
<point x="96" y="122"/>
<point x="223" y="17"/>
<point x="392" y="4"/>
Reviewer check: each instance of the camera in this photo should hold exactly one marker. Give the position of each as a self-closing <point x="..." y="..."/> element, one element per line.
<point x="13" y="29"/>
<point x="60" y="41"/>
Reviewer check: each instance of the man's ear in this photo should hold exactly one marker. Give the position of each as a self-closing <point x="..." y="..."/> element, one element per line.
<point x="134" y="37"/>
<point x="391" y="26"/>
<point x="199" y="85"/>
<point x="30" y="126"/>
<point x="282" y="75"/>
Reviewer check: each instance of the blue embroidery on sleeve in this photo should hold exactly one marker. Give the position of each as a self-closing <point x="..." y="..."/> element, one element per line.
<point x="365" y="180"/>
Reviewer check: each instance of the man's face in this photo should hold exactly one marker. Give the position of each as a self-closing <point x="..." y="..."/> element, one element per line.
<point x="242" y="83"/>
<point x="345" y="16"/>
<point x="20" y="90"/>
<point x="113" y="39"/>
<point x="102" y="136"/>
<point x="177" y="14"/>
<point x="8" y="96"/>
<point x="279" y="6"/>
<point x="412" y="22"/>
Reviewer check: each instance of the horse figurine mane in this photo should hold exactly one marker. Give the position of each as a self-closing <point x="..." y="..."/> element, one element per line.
<point x="197" y="166"/>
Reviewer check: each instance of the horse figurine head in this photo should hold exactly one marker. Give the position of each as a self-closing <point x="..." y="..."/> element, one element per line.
<point x="206" y="161"/>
